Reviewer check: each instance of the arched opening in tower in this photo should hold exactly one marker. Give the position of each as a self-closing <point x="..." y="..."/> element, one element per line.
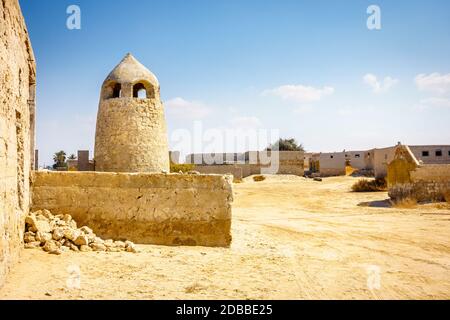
<point x="140" y="91"/>
<point x="117" y="90"/>
<point x="112" y="90"/>
<point x="143" y="90"/>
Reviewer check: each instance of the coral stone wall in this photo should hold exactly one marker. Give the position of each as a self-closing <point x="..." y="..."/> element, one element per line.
<point x="164" y="209"/>
<point x="234" y="170"/>
<point x="131" y="136"/>
<point x="17" y="80"/>
<point x="274" y="162"/>
<point x="407" y="178"/>
<point x="424" y="183"/>
<point x="291" y="162"/>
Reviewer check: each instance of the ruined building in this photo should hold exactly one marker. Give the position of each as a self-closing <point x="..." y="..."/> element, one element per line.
<point x="411" y="178"/>
<point x="17" y="112"/>
<point x="128" y="196"/>
<point x="376" y="160"/>
<point x="131" y="133"/>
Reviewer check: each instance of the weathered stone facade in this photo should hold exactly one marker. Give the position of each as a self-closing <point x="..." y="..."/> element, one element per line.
<point x="235" y="170"/>
<point x="83" y="162"/>
<point x="250" y="163"/>
<point x="131" y="133"/>
<point x="407" y="178"/>
<point x="147" y="208"/>
<point x="17" y="111"/>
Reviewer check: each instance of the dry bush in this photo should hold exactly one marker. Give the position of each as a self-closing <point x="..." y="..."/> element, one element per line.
<point x="238" y="180"/>
<point x="404" y="203"/>
<point x="259" y="178"/>
<point x="365" y="185"/>
<point x="185" y="168"/>
<point x="447" y="196"/>
<point x="442" y="206"/>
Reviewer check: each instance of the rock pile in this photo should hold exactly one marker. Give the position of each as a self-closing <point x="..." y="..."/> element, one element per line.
<point x="56" y="234"/>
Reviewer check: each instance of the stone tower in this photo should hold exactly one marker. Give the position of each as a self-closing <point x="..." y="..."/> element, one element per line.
<point x="131" y="133"/>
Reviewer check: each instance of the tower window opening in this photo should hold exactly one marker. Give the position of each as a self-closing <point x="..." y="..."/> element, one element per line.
<point x="140" y="91"/>
<point x="117" y="91"/>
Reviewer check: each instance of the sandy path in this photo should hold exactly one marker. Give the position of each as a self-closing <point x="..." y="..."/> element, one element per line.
<point x="292" y="239"/>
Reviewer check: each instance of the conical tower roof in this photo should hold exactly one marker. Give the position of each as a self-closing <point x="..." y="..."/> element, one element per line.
<point x="130" y="70"/>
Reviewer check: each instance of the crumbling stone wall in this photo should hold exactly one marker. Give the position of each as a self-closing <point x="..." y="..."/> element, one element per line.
<point x="214" y="158"/>
<point x="267" y="162"/>
<point x="407" y="178"/>
<point x="426" y="183"/>
<point x="17" y="90"/>
<point x="274" y="162"/>
<point x="235" y="170"/>
<point x="163" y="209"/>
<point x="291" y="162"/>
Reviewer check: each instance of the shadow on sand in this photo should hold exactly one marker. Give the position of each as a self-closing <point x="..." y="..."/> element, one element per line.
<point x="376" y="204"/>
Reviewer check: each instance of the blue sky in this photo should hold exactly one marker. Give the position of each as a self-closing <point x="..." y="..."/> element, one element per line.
<point x="310" y="69"/>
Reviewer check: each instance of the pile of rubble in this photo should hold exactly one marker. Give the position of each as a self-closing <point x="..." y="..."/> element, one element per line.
<point x="56" y="234"/>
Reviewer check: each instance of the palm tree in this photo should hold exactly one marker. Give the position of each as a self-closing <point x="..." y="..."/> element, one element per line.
<point x="60" y="159"/>
<point x="72" y="157"/>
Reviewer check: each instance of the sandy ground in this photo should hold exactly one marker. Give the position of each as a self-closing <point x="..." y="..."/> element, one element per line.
<point x="292" y="239"/>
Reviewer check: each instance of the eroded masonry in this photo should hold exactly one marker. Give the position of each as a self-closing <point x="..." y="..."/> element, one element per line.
<point x="131" y="195"/>
<point x="17" y="110"/>
<point x="143" y="202"/>
<point x="128" y="192"/>
<point x="409" y="178"/>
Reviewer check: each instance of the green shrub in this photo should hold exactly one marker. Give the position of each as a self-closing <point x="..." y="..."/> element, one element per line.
<point x="365" y="185"/>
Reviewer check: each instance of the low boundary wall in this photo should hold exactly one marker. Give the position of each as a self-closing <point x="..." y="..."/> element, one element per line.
<point x="163" y="209"/>
<point x="234" y="170"/>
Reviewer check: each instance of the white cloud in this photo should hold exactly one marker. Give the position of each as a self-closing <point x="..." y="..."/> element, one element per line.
<point x="182" y="108"/>
<point x="346" y="111"/>
<point x="233" y="110"/>
<point x="379" y="86"/>
<point x="433" y="103"/>
<point x="246" y="123"/>
<point x="437" y="102"/>
<point x="303" y="109"/>
<point x="300" y="93"/>
<point x="434" y="82"/>
<point x="357" y="111"/>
